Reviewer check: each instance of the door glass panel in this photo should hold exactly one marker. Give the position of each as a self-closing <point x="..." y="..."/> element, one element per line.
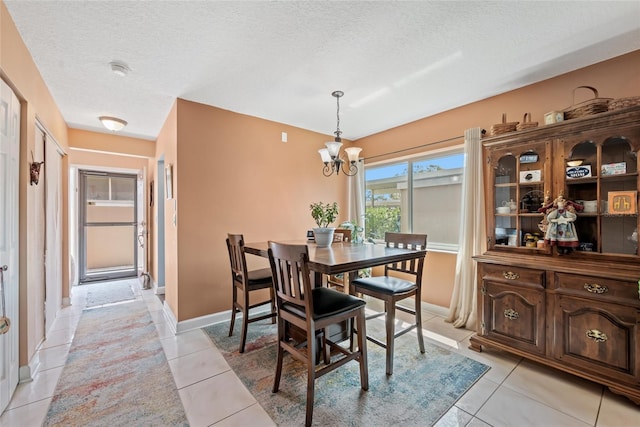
<point x="110" y="248"/>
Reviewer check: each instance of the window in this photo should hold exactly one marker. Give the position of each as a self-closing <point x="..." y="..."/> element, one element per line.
<point x="420" y="195"/>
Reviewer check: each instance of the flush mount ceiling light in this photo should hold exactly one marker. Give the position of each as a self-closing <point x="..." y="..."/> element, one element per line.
<point x="119" y="68"/>
<point x="331" y="156"/>
<point x="114" y="124"/>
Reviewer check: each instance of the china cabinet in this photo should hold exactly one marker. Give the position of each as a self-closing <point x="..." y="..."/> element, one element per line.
<point x="575" y="307"/>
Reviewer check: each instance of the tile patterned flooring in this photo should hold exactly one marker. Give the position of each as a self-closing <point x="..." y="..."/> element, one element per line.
<point x="515" y="392"/>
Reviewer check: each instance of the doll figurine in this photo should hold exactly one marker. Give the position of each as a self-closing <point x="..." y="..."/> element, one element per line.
<point x="560" y="230"/>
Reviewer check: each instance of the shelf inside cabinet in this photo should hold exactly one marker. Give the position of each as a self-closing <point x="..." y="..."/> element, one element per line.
<point x="620" y="177"/>
<point x="578" y="181"/>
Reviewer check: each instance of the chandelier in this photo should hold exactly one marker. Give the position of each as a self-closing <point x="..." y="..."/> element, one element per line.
<point x="333" y="159"/>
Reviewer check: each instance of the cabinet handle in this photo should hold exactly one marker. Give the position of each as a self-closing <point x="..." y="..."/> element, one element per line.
<point x="596" y="335"/>
<point x="510" y="275"/>
<point x="511" y="314"/>
<point x="595" y="288"/>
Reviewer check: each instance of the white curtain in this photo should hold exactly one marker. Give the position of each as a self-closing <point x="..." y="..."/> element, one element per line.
<point x="472" y="240"/>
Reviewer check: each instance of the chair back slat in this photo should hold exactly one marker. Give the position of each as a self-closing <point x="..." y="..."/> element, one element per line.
<point x="408" y="241"/>
<point x="235" y="246"/>
<point x="292" y="280"/>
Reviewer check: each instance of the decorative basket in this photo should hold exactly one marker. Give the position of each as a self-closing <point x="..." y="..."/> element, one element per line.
<point x="618" y="104"/>
<point x="588" y="107"/>
<point x="526" y="123"/>
<point x="503" y="127"/>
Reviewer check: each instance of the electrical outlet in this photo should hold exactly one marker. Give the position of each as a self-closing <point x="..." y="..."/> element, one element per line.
<point x="284" y="137"/>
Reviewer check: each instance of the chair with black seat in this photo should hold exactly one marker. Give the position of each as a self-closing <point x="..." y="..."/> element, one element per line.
<point x="312" y="310"/>
<point x="391" y="289"/>
<point x="244" y="282"/>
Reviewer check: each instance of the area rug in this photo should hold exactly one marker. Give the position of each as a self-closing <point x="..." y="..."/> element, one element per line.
<point x="422" y="388"/>
<point x="105" y="383"/>
<point x="109" y="292"/>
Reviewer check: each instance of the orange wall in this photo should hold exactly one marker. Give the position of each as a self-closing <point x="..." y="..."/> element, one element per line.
<point x="166" y="148"/>
<point x="234" y="175"/>
<point x="19" y="71"/>
<point x="616" y="78"/>
<point x="111" y="143"/>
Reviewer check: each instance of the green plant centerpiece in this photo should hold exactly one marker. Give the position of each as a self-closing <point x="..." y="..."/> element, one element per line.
<point x="324" y="214"/>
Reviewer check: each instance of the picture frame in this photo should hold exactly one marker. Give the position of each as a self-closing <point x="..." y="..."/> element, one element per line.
<point x="623" y="202"/>
<point x="530" y="176"/>
<point x="168" y="175"/>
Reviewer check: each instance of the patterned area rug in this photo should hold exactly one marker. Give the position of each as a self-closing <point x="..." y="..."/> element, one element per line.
<point x="109" y="292"/>
<point x="104" y="383"/>
<point x="422" y="388"/>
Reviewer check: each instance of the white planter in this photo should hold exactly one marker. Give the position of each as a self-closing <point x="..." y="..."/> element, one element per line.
<point x="323" y="236"/>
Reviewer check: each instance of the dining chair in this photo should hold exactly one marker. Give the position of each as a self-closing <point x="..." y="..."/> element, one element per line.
<point x="390" y="288"/>
<point x="244" y="282"/>
<point x="312" y="310"/>
<point x="336" y="281"/>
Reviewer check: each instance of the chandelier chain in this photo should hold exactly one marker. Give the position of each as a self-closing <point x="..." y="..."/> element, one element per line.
<point x="338" y="132"/>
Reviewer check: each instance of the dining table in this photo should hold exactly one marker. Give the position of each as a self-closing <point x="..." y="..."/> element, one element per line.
<point x="343" y="257"/>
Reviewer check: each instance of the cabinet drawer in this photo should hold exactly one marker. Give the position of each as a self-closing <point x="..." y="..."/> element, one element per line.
<point x="513" y="275"/>
<point x="598" y="288"/>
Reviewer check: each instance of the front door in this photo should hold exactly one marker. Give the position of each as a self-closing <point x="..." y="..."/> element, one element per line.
<point x="9" y="175"/>
<point x="108" y="238"/>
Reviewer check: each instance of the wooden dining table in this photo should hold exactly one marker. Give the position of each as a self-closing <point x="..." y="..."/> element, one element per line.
<point x="343" y="257"/>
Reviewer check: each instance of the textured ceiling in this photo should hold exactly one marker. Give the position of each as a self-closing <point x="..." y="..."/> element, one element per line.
<point x="395" y="61"/>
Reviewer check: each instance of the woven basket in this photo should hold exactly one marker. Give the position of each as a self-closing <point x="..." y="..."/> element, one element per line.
<point x="618" y="104"/>
<point x="504" y="127"/>
<point x="586" y="108"/>
<point x="526" y="123"/>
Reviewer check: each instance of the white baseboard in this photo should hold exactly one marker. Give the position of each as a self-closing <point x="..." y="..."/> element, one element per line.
<point x="27" y="372"/>
<point x="436" y="309"/>
<point x="202" y="321"/>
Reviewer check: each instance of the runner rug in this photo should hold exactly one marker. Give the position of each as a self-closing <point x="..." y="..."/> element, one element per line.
<point x="109" y="292"/>
<point x="116" y="373"/>
<point x="423" y="387"/>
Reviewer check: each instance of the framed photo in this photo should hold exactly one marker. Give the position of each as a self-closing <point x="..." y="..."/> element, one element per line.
<point x="623" y="202"/>
<point x="530" y="176"/>
<point x="168" y="175"/>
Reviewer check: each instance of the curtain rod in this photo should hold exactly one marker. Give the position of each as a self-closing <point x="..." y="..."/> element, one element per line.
<point x="413" y="148"/>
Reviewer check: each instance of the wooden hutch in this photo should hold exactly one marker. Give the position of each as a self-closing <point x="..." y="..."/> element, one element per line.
<point x="576" y="310"/>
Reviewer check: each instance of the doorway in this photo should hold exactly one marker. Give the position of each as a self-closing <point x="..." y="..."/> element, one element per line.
<point x="107" y="226"/>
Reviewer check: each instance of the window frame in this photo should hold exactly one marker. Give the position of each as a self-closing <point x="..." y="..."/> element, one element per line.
<point x="410" y="161"/>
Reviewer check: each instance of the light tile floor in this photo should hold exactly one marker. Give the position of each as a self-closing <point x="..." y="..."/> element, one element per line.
<point x="515" y="392"/>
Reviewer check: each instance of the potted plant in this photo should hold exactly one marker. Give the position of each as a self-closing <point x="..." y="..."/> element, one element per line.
<point x="324" y="215"/>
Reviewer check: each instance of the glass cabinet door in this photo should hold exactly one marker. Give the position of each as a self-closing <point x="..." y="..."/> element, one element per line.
<point x="602" y="176"/>
<point x="518" y="194"/>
